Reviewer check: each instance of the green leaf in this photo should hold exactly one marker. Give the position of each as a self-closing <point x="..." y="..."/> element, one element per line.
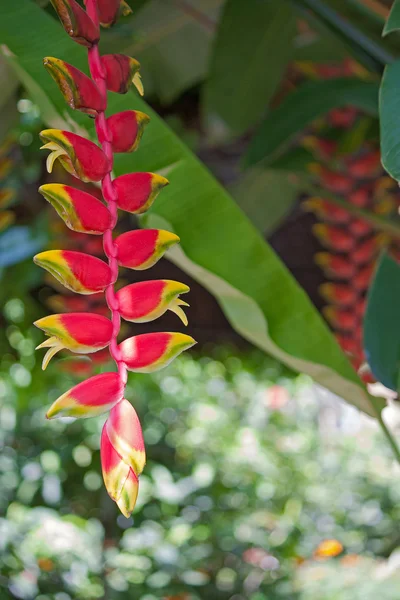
<point x="266" y="196"/>
<point x="302" y="107"/>
<point x="390" y="119"/>
<point x="393" y="21"/>
<point x="171" y="46"/>
<point x="382" y="324"/>
<point x="252" y="49"/>
<point x="259" y="295"/>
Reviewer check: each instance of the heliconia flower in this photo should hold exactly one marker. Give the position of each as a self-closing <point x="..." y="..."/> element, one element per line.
<point x="79" y="272"/>
<point x="360" y="197"/>
<point x="63" y="303"/>
<point x="90" y="398"/>
<point x="125" y="434"/>
<point x="80" y="211"/>
<point x="79" y="156"/>
<point x="127" y="129"/>
<point x="147" y="300"/>
<point x="327" y="211"/>
<point x="340" y="294"/>
<point x="121" y="71"/>
<point x="334" y="238"/>
<point x="141" y="248"/>
<point x="342" y="117"/>
<point x="335" y="266"/>
<point x="348" y="345"/>
<point x="345" y="320"/>
<point x="137" y="191"/>
<point x="76" y="22"/>
<point x="151" y="352"/>
<point x="360" y="227"/>
<point x="121" y="481"/>
<point x="336" y="182"/>
<point x="79" y="91"/>
<point x="324" y="147"/>
<point x="82" y="333"/>
<point x="7" y="217"/>
<point x="367" y="251"/>
<point x="363" y="278"/>
<point x="109" y="11"/>
<point x="365" y="166"/>
<point x="6" y="197"/>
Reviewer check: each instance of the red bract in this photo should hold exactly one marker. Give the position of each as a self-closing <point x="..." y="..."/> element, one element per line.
<point x="76" y="22"/>
<point x="78" y="89"/>
<point x="127" y="129"/>
<point x="90" y="331"/>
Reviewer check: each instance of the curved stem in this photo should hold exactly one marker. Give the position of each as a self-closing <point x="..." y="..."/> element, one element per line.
<point x="109" y="194"/>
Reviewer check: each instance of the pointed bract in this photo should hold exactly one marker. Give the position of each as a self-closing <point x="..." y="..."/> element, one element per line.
<point x="137" y="191"/>
<point x="142" y="248"/>
<point x="79" y="156"/>
<point x="79" y="210"/>
<point x="79" y="272"/>
<point x="76" y="22"/>
<point x="79" y="91"/>
<point x="89" y="398"/>
<point x="127" y="129"/>
<point x="151" y="352"/>
<point x="121" y="72"/>
<point x="82" y="333"/>
<point x="147" y="300"/>
<point x="125" y="434"/>
<point x="110" y="10"/>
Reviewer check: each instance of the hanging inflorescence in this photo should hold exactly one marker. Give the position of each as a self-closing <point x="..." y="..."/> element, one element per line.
<point x="122" y="447"/>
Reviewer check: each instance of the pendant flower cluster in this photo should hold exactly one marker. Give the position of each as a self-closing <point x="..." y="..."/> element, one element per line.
<point x="122" y="447"/>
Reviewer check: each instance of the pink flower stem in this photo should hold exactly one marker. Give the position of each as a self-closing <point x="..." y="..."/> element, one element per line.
<point x="109" y="194"/>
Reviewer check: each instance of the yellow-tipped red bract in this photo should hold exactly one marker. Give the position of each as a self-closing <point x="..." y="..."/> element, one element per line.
<point x="121" y="72"/>
<point x="142" y="248"/>
<point x="79" y="156"/>
<point x="76" y="22"/>
<point x="79" y="91"/>
<point x="126" y="129"/>
<point x="82" y="333"/>
<point x="151" y="352"/>
<point x="79" y="272"/>
<point x="121" y="481"/>
<point x="90" y="398"/>
<point x="125" y="434"/>
<point x="147" y="300"/>
<point x="137" y="191"/>
<point x="110" y="10"/>
<point x="79" y="210"/>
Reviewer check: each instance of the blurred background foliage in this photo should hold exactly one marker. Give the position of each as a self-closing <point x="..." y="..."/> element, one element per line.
<point x="259" y="483"/>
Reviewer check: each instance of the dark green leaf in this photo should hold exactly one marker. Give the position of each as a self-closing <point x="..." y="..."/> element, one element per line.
<point x="390" y="119"/>
<point x="252" y="49"/>
<point x="393" y="22"/>
<point x="382" y="324"/>
<point x="302" y="107"/>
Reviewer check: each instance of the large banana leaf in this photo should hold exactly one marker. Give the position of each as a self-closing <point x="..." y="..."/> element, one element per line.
<point x="254" y="43"/>
<point x="220" y="247"/>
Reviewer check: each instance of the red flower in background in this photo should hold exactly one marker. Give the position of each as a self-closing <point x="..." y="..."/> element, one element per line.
<point x="87" y="329"/>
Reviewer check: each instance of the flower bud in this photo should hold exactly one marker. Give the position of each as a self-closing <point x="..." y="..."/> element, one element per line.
<point x="147" y="300"/>
<point x="125" y="434"/>
<point x="110" y="10"/>
<point x="121" y="71"/>
<point x="334" y="238"/>
<point x="127" y="129"/>
<point x="151" y="352"/>
<point x="78" y="272"/>
<point x="79" y="156"/>
<point x="80" y="211"/>
<point x="82" y="333"/>
<point x="141" y="248"/>
<point x="76" y="22"/>
<point x="79" y="91"/>
<point x="89" y="398"/>
<point x="340" y="294"/>
<point x="335" y="267"/>
<point x="137" y="191"/>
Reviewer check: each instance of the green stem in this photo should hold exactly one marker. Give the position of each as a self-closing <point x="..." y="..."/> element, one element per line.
<point x="385" y="430"/>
